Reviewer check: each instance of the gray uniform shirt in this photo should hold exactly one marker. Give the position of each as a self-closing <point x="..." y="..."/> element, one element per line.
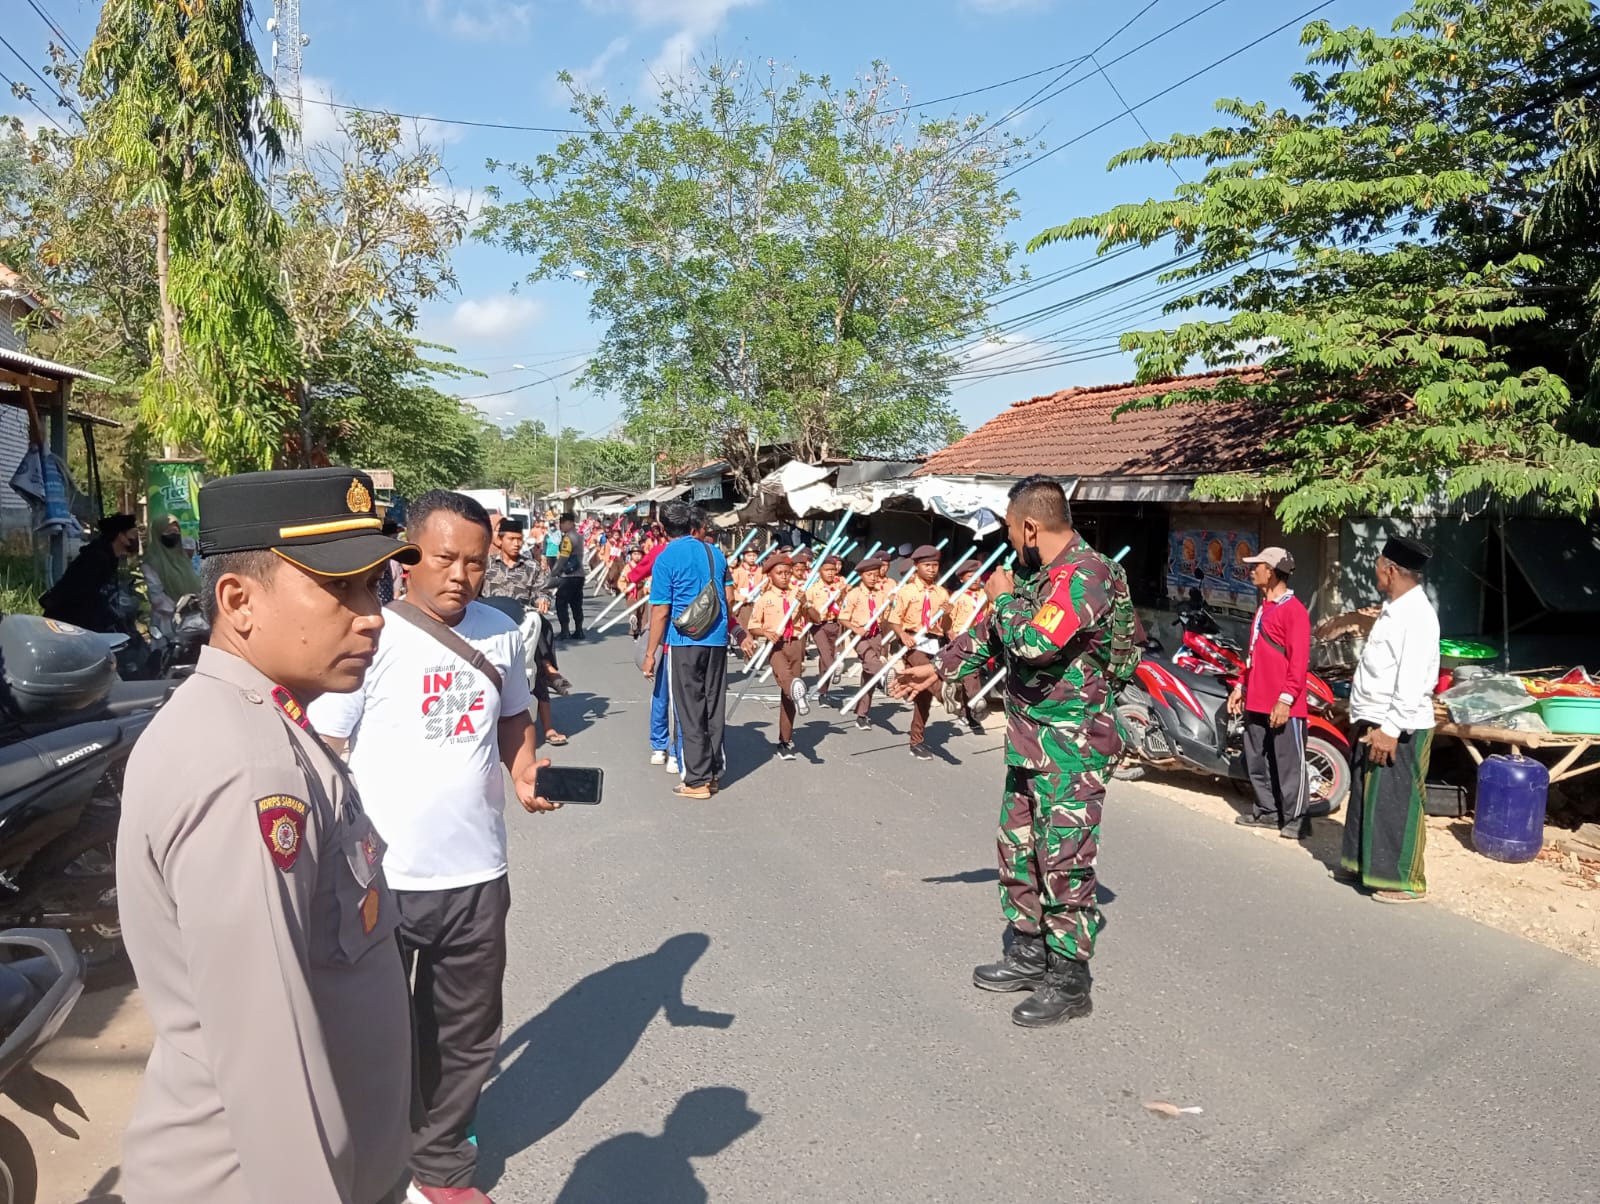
<point x="259" y="923"/>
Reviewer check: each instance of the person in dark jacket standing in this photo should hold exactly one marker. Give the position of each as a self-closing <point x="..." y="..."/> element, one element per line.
<point x="1271" y="695"/>
<point x="568" y="574"/>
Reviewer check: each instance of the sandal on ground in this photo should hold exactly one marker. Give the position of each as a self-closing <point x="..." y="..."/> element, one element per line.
<point x="1400" y="896"/>
<point x="555" y="738"/>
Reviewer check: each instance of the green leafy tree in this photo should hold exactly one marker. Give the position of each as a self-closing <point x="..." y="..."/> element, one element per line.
<point x="1370" y="251"/>
<point x="184" y="122"/>
<point x="774" y="259"/>
<point x="436" y="446"/>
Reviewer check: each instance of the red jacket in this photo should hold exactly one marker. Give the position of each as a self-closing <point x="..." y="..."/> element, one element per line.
<point x="643" y="569"/>
<point x="1280" y="655"/>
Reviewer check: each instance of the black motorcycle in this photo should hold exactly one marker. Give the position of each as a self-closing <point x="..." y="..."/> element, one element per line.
<point x="67" y="725"/>
<point x="40" y="981"/>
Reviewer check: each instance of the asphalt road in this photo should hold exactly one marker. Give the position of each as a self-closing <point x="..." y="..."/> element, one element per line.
<point x="767" y="997"/>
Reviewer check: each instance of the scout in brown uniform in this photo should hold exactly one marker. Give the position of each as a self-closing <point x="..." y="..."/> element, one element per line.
<point x="863" y="614"/>
<point x="748" y="578"/>
<point x="825" y="599"/>
<point x="778" y="615"/>
<point x="917" y="621"/>
<point x="250" y="880"/>
<point x="968" y="613"/>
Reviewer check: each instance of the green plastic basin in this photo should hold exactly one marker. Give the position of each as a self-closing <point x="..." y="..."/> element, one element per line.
<point x="1573" y="716"/>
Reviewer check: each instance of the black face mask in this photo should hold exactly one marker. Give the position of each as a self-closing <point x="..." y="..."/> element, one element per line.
<point x="1029" y="561"/>
<point x="171" y="539"/>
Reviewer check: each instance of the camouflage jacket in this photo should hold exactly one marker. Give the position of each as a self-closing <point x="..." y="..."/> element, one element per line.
<point x="525" y="581"/>
<point x="1066" y="639"/>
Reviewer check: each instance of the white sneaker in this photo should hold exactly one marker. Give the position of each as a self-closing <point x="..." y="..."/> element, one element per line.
<point x="672" y="764"/>
<point x="798" y="692"/>
<point x="658" y="757"/>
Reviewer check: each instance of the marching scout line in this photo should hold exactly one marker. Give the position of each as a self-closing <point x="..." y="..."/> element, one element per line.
<point x="862" y="603"/>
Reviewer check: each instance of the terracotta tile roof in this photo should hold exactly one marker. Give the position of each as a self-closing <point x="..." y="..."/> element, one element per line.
<point x="1072" y="433"/>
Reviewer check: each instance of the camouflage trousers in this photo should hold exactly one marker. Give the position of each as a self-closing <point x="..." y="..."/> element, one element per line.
<point x="1049" y="840"/>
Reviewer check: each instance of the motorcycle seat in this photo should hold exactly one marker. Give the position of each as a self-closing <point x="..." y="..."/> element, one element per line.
<point x="21" y="765"/>
<point x="22" y="984"/>
<point x="131" y="697"/>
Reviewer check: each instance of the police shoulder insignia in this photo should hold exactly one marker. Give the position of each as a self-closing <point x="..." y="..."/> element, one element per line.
<point x="283" y="825"/>
<point x="357" y="497"/>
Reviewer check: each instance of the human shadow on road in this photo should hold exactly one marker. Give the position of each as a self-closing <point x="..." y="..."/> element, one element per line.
<point x="578" y="711"/>
<point x="656" y="1170"/>
<point x="746" y="746"/>
<point x="550" y="1066"/>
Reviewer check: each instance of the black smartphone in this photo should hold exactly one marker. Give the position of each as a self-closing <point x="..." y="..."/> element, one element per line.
<point x="571" y="784"/>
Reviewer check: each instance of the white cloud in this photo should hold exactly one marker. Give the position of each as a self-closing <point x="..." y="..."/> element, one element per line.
<point x="592" y="77"/>
<point x="320" y="123"/>
<point x="493" y="317"/>
<point x="440" y="196"/>
<point x="692" y="22"/>
<point x="480" y="20"/>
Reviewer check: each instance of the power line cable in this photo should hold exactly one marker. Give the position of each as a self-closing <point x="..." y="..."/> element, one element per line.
<point x="1137" y="120"/>
<point x="51" y="88"/>
<point x="482" y="125"/>
<point x="66" y="42"/>
<point x="27" y="95"/>
<point x="1170" y="88"/>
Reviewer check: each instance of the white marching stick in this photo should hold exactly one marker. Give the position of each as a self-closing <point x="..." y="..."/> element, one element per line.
<point x="898" y="586"/>
<point x="905" y="652"/>
<point x="610" y="606"/>
<point x="808" y="624"/>
<point x="990" y="685"/>
<point x="811" y="577"/>
<point x="625" y="613"/>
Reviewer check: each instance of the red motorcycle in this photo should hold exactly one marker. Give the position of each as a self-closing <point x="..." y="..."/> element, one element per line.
<point x="1177" y="718"/>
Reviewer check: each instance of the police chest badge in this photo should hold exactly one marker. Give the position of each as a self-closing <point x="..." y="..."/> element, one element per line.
<point x="283" y="826"/>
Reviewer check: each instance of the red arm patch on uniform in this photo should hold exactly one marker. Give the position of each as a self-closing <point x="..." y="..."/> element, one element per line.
<point x="1057" y="620"/>
<point x="283" y="826"/>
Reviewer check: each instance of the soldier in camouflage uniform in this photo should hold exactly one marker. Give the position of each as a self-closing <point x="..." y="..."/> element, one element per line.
<point x="1064" y="631"/>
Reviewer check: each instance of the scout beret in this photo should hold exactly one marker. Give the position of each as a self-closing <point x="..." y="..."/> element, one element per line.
<point x="803" y="554"/>
<point x="926" y="552"/>
<point x="1408" y="553"/>
<point x="871" y="563"/>
<point x="968" y="566"/>
<point x="780" y="561"/>
<point x="835" y="561"/>
<point x="511" y="526"/>
<point x="322" y="519"/>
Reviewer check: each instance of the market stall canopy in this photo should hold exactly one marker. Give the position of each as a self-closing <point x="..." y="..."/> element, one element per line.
<point x="797" y="490"/>
<point x="662" y="493"/>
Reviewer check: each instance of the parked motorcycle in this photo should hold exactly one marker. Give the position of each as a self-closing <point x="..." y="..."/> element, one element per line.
<point x="1176" y="718"/>
<point x="39" y="983"/>
<point x="67" y="725"/>
<point x="1205" y="649"/>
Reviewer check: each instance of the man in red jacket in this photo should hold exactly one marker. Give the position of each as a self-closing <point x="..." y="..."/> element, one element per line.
<point x="1272" y="695"/>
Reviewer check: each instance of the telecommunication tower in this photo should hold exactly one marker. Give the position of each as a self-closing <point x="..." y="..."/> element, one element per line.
<point x="287" y="43"/>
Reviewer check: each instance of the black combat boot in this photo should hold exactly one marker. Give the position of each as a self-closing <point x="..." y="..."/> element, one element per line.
<point x="1064" y="994"/>
<point x="1021" y="968"/>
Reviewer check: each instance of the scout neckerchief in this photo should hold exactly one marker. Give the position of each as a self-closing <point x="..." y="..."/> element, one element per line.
<point x="927" y="607"/>
<point x="792" y="604"/>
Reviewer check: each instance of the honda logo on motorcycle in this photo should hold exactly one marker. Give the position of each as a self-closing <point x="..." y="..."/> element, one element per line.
<point x="78" y="754"/>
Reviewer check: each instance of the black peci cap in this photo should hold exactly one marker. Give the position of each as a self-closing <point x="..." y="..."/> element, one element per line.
<point x="1410" y="554"/>
<point x="322" y="519"/>
<point x="511" y="526"/>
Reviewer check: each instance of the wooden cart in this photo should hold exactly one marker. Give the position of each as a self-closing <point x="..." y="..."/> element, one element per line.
<point x="1568" y="749"/>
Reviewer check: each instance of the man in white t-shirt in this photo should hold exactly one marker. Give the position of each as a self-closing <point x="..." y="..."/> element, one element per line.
<point x="425" y="738"/>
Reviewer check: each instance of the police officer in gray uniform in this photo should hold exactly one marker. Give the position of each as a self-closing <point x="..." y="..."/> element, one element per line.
<point x="250" y="880"/>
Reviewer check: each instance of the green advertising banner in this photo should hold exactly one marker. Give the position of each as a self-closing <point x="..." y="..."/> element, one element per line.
<point x="174" y="488"/>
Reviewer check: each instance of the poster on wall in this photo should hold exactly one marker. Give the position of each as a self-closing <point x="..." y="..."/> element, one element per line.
<point x="174" y="488"/>
<point x="1212" y="561"/>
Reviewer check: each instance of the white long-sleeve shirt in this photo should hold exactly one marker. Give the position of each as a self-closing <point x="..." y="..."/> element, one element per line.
<point x="1394" y="683"/>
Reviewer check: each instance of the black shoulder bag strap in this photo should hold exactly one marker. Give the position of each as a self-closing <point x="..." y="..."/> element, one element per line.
<point x="423" y="621"/>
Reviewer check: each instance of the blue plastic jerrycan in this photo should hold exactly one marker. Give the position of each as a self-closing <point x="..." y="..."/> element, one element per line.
<point x="1509" y="823"/>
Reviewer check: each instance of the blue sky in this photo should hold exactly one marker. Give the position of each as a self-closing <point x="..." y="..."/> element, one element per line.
<point x="496" y="61"/>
